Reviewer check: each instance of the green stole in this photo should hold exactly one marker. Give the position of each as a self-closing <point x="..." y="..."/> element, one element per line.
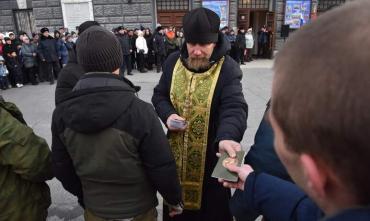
<point x="191" y="95"/>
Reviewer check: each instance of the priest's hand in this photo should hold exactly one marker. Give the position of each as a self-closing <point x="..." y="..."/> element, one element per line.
<point x="243" y="173"/>
<point x="175" y="210"/>
<point x="229" y="146"/>
<point x="175" y="117"/>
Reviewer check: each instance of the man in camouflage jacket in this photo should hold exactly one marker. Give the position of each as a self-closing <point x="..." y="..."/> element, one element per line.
<point x="25" y="165"/>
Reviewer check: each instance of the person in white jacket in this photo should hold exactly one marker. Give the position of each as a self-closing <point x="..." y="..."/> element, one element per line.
<point x="142" y="51"/>
<point x="249" y="44"/>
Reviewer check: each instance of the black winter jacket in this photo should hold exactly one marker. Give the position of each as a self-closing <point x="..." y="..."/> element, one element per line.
<point x="8" y="49"/>
<point x="68" y="76"/>
<point x="47" y="49"/>
<point x="240" y="41"/>
<point x="229" y="110"/>
<point x="159" y="45"/>
<point x="109" y="148"/>
<point x="125" y="42"/>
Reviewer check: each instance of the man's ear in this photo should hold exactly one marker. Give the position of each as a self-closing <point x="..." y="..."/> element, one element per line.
<point x="315" y="176"/>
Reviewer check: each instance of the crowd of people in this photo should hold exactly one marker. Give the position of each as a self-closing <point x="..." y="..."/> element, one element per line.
<point x="310" y="157"/>
<point x="144" y="50"/>
<point x="32" y="60"/>
<point x="26" y="60"/>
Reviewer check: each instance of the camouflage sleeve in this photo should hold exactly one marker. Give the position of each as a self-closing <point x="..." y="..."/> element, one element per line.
<point x="26" y="153"/>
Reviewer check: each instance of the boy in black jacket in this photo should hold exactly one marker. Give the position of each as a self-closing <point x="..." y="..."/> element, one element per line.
<point x="108" y="147"/>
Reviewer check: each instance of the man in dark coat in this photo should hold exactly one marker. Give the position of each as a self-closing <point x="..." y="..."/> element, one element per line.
<point x="201" y="90"/>
<point x="71" y="73"/>
<point x="159" y="47"/>
<point x="321" y="132"/>
<point x="108" y="146"/>
<point x="48" y="52"/>
<point x="262" y="158"/>
<point x="263" y="38"/>
<point x="126" y="46"/>
<point x="241" y="45"/>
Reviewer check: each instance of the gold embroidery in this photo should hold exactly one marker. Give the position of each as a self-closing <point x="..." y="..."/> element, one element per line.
<point x="191" y="94"/>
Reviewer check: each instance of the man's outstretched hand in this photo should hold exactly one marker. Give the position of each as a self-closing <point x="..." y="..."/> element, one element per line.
<point x="243" y="172"/>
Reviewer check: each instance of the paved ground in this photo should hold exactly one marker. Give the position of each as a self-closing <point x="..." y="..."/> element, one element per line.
<point x="37" y="104"/>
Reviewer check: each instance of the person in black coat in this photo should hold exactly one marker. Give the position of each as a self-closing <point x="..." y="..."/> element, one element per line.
<point x="263" y="39"/>
<point x="228" y="108"/>
<point x="10" y="52"/>
<point x="49" y="55"/>
<point x="159" y="47"/>
<point x="262" y="158"/>
<point x="149" y="61"/>
<point x="126" y="46"/>
<point x="133" y="36"/>
<point x="241" y="45"/>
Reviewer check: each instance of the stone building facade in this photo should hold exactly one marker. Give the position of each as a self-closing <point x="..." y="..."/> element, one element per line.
<point x="6" y="15"/>
<point x="147" y="13"/>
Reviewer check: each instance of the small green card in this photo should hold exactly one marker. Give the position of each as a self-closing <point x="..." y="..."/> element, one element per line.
<point x="220" y="170"/>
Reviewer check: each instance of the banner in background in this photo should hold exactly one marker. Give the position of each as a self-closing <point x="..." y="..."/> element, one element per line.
<point x="297" y="13"/>
<point x="221" y="7"/>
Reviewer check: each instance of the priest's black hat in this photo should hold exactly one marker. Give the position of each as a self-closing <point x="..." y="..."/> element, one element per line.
<point x="201" y="25"/>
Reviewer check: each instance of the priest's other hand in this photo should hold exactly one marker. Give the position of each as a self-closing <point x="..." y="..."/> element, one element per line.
<point x="175" y="210"/>
<point x="229" y="146"/>
<point x="243" y="173"/>
<point x="174" y="117"/>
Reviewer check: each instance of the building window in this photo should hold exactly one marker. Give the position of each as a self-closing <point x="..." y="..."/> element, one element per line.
<point x="254" y="4"/>
<point x="328" y="4"/>
<point x="168" y="5"/>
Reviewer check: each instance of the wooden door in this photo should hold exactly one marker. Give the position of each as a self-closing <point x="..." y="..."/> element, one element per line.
<point x="24" y="21"/>
<point x="270" y="23"/>
<point x="243" y="18"/>
<point x="171" y="18"/>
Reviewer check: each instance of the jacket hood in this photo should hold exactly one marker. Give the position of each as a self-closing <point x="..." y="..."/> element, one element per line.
<point x="221" y="49"/>
<point x="96" y="102"/>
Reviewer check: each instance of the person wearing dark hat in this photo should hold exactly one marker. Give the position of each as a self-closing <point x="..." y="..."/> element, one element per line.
<point x="126" y="46"/>
<point x="72" y="72"/>
<point x="200" y="99"/>
<point x="12" y="63"/>
<point x="49" y="55"/>
<point x="108" y="146"/>
<point x="159" y="47"/>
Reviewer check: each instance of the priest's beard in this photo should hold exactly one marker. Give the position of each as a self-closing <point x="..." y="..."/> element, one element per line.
<point x="198" y="63"/>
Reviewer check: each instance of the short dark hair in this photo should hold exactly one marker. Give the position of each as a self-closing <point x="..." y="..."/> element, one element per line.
<point x="321" y="96"/>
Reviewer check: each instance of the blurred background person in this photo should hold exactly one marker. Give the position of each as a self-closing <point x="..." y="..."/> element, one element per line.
<point x="249" y="43"/>
<point x="29" y="53"/>
<point x="149" y="60"/>
<point x="142" y="51"/>
<point x="48" y="52"/>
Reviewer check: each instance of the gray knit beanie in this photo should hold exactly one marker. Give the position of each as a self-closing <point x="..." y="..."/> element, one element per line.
<point x="98" y="50"/>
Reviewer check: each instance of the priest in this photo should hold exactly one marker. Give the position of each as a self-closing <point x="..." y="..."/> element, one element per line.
<point x="200" y="99"/>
